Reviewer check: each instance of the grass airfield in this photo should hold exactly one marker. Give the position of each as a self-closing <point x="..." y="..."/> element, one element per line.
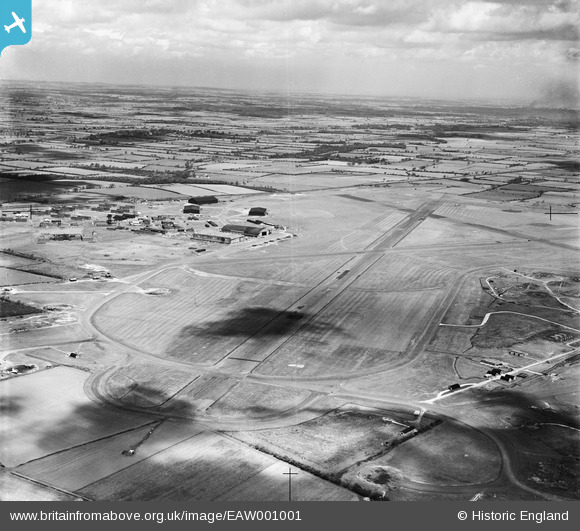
<point x="328" y="346"/>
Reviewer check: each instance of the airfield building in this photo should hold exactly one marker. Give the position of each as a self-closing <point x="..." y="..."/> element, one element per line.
<point x="70" y="233"/>
<point x="203" y="200"/>
<point x="258" y="211"/>
<point x="253" y="232"/>
<point x="216" y="238"/>
<point x="191" y="209"/>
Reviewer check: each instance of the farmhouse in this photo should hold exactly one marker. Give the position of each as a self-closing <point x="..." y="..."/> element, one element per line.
<point x="203" y="200"/>
<point x="254" y="232"/>
<point x="258" y="211"/>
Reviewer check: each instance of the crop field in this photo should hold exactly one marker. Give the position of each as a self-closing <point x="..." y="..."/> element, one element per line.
<point x="202" y="190"/>
<point x="23" y="335"/>
<point x="91" y="462"/>
<point x="14" y="277"/>
<point x="404" y="273"/>
<point x="145" y="385"/>
<point x="256" y="400"/>
<point x="11" y="308"/>
<point x="189" y="471"/>
<point x="229" y="190"/>
<point x="566" y="201"/>
<point x="486" y="215"/>
<point x="422" y="379"/>
<point x="50" y="412"/>
<point x="139" y="192"/>
<point x="265" y="486"/>
<point x="296" y="270"/>
<point x="8" y="260"/>
<point x="331" y="442"/>
<point x="314" y="181"/>
<point x="411" y="249"/>
<point x="200" y="322"/>
<point x="525" y="222"/>
<point x="449" y="454"/>
<point x="499" y="194"/>
<point x="358" y="331"/>
<point x="444" y="231"/>
<point x="69" y="299"/>
<point x="201" y="394"/>
<point x="15" y="489"/>
<point x="71" y="171"/>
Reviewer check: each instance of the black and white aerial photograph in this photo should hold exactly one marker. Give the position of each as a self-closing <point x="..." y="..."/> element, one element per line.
<point x="305" y="250"/>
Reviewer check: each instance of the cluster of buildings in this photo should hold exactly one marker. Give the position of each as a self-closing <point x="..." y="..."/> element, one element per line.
<point x="229" y="233"/>
<point x="53" y="226"/>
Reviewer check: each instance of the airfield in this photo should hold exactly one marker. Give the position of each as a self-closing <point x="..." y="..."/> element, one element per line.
<point x="407" y="330"/>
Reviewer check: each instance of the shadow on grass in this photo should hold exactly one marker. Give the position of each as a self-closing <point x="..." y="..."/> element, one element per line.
<point x="538" y="443"/>
<point x="261" y="324"/>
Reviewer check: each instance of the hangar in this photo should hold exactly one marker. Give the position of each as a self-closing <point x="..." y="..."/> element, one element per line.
<point x="254" y="232"/>
<point x="216" y="238"/>
<point x="191" y="209"/>
<point x="258" y="211"/>
<point x="203" y="200"/>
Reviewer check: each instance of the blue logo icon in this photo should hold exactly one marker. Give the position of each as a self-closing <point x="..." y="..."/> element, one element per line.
<point x="15" y="22"/>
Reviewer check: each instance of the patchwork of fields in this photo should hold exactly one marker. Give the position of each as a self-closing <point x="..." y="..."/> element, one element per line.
<point x="405" y="326"/>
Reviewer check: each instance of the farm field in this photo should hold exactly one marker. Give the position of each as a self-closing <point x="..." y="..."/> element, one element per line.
<point x="449" y="454"/>
<point x="91" y="462"/>
<point x="53" y="415"/>
<point x="178" y="477"/>
<point x="14" y="277"/>
<point x="15" y="488"/>
<point x="334" y="442"/>
<point x="207" y="309"/>
<point x="257" y="400"/>
<point x="139" y="192"/>
<point x="207" y="189"/>
<point x="349" y="334"/>
<point x="403" y="325"/>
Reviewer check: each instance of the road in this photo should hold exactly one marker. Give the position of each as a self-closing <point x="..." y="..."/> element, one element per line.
<point x="513" y="372"/>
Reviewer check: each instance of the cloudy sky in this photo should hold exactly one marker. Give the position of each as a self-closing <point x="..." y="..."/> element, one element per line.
<point x="522" y="49"/>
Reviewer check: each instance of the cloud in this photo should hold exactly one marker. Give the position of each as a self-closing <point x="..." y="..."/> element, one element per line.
<point x="304" y="43"/>
<point x="510" y="20"/>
